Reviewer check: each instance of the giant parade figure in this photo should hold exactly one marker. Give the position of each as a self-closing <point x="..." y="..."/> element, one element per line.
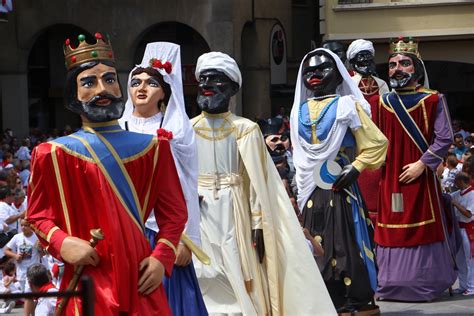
<point x="99" y="178"/>
<point x="155" y="100"/>
<point x="260" y="261"/>
<point x="361" y="54"/>
<point x="333" y="140"/>
<point x="413" y="253"/>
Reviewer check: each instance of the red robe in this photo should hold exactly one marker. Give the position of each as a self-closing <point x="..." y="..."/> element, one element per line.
<point x="69" y="195"/>
<point x="369" y="179"/>
<point x="419" y="222"/>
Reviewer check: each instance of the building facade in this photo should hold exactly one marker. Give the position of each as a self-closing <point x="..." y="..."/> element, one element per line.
<point x="257" y="33"/>
<point x="443" y="28"/>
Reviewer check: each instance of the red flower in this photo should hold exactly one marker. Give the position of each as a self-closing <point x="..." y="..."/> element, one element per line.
<point x="164" y="134"/>
<point x="168" y="67"/>
<point x="157" y="64"/>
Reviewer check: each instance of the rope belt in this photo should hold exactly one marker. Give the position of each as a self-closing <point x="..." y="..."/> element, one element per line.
<point x="218" y="181"/>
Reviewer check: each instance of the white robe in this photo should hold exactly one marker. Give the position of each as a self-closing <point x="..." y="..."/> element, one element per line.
<point x="242" y="191"/>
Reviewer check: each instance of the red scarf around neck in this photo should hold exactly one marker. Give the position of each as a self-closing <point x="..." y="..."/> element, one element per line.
<point x="46" y="287"/>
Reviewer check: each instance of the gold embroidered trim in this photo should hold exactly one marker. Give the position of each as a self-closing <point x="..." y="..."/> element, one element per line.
<point x="418" y="224"/>
<point x="60" y="188"/>
<point x="72" y="152"/>
<point x="124" y="171"/>
<point x="425" y="115"/>
<point x="142" y="153"/>
<point x="50" y="233"/>
<point x="432" y="153"/>
<point x="100" y="124"/>
<point x="109" y="180"/>
<point x="168" y="243"/>
<point x="155" y="160"/>
<point x="39" y="232"/>
<point x="248" y="131"/>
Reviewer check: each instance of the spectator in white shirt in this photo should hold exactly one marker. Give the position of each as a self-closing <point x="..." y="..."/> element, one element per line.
<point x="23" y="153"/>
<point x="24" y="173"/>
<point x="39" y="280"/>
<point x="23" y="247"/>
<point x="18" y="210"/>
<point x="463" y="200"/>
<point x="6" y="199"/>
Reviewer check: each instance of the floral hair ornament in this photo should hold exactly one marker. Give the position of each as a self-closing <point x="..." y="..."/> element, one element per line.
<point x="156" y="63"/>
<point x="164" y="134"/>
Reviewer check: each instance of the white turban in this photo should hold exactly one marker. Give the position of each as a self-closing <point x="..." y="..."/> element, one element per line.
<point x="221" y="62"/>
<point x="358" y="46"/>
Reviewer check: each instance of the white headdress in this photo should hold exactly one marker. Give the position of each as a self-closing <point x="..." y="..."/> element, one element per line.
<point x="306" y="156"/>
<point x="176" y="120"/>
<point x="358" y="46"/>
<point x="221" y="62"/>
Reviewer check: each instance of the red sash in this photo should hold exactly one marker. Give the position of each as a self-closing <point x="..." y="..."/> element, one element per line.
<point x="469" y="227"/>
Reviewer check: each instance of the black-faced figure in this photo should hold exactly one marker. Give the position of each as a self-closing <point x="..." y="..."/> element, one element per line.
<point x="243" y="204"/>
<point x="330" y="129"/>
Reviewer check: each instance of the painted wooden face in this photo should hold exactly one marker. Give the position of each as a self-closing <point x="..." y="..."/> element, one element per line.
<point x="146" y="92"/>
<point x="100" y="80"/>
<point x="214" y="91"/>
<point x="95" y="93"/>
<point x="320" y="74"/>
<point x="364" y="63"/>
<point x="401" y="71"/>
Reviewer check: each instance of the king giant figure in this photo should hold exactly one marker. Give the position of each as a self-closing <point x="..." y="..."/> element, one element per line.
<point x="413" y="253"/>
<point x="99" y="177"/>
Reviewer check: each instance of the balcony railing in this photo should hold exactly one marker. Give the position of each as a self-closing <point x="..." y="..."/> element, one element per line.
<point x="353" y="1"/>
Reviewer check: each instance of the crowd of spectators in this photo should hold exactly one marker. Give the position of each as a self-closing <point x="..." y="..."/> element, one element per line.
<point x="20" y="250"/>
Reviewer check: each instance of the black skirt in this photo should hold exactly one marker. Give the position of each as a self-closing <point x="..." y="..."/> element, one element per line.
<point x="328" y="217"/>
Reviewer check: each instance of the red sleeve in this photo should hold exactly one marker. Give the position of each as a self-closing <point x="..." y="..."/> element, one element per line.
<point x="170" y="207"/>
<point x="44" y="206"/>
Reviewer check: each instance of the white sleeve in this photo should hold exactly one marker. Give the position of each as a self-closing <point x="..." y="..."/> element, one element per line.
<point x="3" y="215"/>
<point x="13" y="244"/>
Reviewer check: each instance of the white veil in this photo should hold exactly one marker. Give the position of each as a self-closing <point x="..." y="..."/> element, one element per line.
<point x="176" y="120"/>
<point x="306" y="156"/>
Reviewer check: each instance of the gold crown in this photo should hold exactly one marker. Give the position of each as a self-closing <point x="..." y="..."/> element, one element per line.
<point x="86" y="52"/>
<point x="401" y="46"/>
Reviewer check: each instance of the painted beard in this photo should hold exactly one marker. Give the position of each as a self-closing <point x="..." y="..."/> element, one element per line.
<point x="403" y="82"/>
<point x="213" y="104"/>
<point x="97" y="113"/>
<point x="364" y="63"/>
<point x="366" y="69"/>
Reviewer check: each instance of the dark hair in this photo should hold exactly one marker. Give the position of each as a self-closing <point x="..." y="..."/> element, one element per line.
<point x="469" y="139"/>
<point x="468" y="166"/>
<point x="8" y="268"/>
<point x="4" y="192"/>
<point x="37" y="275"/>
<point x="70" y="90"/>
<point x="457" y="136"/>
<point x="452" y="161"/>
<point x="463" y="177"/>
<point x="152" y="72"/>
<point x="419" y="68"/>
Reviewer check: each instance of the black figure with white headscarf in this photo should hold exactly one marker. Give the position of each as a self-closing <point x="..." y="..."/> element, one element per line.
<point x="333" y="140"/>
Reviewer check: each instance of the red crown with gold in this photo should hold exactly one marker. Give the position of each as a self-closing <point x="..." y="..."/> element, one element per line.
<point x="86" y="52"/>
<point x="401" y="46"/>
